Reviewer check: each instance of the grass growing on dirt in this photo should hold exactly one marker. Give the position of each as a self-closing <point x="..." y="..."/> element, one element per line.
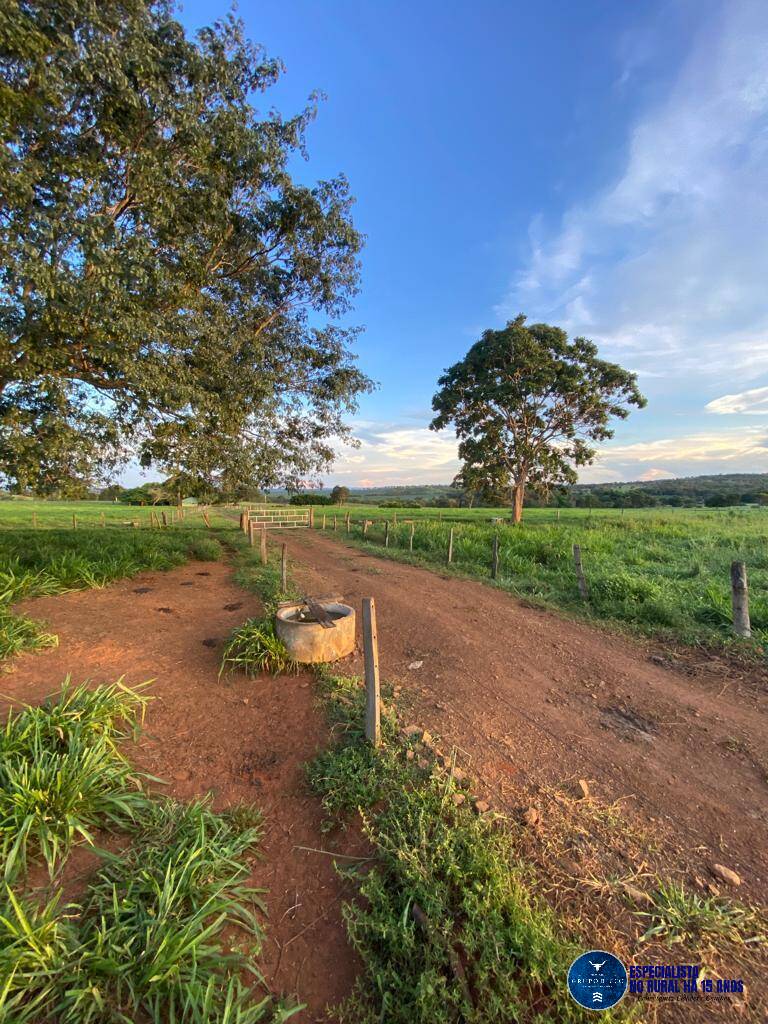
<point x="19" y="633"/>
<point x="683" y="916"/>
<point x="665" y="573"/>
<point x="447" y="928"/>
<point x="152" y="937"/>
<point x="149" y="941"/>
<point x="254" y="647"/>
<point x="62" y="775"/>
<point x="37" y="563"/>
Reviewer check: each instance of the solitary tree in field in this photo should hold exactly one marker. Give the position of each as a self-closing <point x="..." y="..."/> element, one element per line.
<point x="167" y="288"/>
<point x="527" y="402"/>
<point x="340" y="495"/>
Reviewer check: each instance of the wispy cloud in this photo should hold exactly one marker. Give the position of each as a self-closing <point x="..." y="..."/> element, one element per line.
<point x="737" y="450"/>
<point x="668" y="262"/>
<point x="753" y="402"/>
<point x="394" y="454"/>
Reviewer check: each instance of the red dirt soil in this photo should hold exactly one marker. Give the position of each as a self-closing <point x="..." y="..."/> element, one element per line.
<point x="243" y="740"/>
<point x="535" y="699"/>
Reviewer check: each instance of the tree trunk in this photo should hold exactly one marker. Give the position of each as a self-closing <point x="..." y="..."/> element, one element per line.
<point x="519" y="496"/>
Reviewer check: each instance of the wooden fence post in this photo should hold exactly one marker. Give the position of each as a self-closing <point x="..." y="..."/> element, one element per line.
<point x="103" y="520"/>
<point x="206" y="520"/>
<point x="365" y="527"/>
<point x="251" y="534"/>
<point x="347" y="522"/>
<point x="410" y="539"/>
<point x="284" y="568"/>
<point x="386" y="533"/>
<point x="165" y="519"/>
<point x="450" y="546"/>
<point x="311" y="517"/>
<point x="34" y="520"/>
<point x="323" y="520"/>
<point x="74" y="521"/>
<point x="372" y="693"/>
<point x="495" y="557"/>
<point x="263" y="544"/>
<point x="394" y="517"/>
<point x="740" y="600"/>
<point x="580" y="577"/>
<point x="334" y="524"/>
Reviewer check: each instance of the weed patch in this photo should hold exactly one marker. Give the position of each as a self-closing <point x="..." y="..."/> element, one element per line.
<point x="683" y="916"/>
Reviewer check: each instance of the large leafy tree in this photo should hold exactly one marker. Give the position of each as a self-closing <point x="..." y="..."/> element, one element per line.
<point x="527" y="403"/>
<point x="167" y="287"/>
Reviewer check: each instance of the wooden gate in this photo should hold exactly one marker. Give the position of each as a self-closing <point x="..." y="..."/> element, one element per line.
<point x="279" y="517"/>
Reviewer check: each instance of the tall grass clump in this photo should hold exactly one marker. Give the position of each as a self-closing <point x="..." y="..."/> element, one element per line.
<point x="255" y="648"/>
<point x="37" y="944"/>
<point x="62" y="775"/>
<point x="153" y="939"/>
<point x="19" y="633"/>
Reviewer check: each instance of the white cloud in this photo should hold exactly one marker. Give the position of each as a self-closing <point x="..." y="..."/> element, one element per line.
<point x="753" y="402"/>
<point x="669" y="261"/>
<point x="393" y="454"/>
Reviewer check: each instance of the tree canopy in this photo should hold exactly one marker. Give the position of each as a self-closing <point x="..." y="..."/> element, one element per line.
<point x="167" y="288"/>
<point x="527" y="403"/>
<point x="340" y="495"/>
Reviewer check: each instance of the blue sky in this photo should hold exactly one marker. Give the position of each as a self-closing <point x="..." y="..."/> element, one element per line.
<point x="599" y="165"/>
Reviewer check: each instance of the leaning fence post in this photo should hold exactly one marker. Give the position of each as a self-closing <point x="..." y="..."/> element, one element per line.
<point x="410" y="539"/>
<point x="450" y="546"/>
<point x="386" y="533"/>
<point x="263" y="544"/>
<point x="740" y="600"/>
<point x="284" y="568"/>
<point x="580" y="577"/>
<point x="495" y="557"/>
<point x="372" y="694"/>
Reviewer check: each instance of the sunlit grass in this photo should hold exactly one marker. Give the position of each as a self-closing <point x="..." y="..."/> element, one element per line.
<point x="62" y="775"/>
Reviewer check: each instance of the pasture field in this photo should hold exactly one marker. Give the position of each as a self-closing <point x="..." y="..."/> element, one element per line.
<point x="662" y="572"/>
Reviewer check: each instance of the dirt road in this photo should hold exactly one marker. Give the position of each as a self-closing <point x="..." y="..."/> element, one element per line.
<point x="535" y="699"/>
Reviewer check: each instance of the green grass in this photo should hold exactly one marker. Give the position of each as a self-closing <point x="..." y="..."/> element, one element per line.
<point x="254" y="647"/>
<point x="683" y="916"/>
<point x="153" y="938"/>
<point x="447" y="923"/>
<point x="168" y="930"/>
<point x="663" y="573"/>
<point x="62" y="775"/>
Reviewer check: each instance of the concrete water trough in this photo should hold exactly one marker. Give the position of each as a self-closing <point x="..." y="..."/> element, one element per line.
<point x="309" y="640"/>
